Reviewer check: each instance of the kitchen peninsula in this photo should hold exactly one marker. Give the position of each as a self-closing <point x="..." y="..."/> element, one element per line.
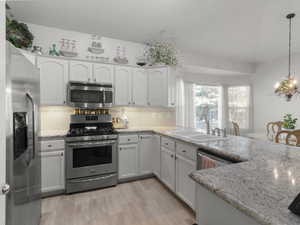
<point x="256" y="191"/>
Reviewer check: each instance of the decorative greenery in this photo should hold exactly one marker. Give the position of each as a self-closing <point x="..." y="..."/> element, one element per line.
<point x="18" y="34"/>
<point x="289" y="122"/>
<point x="165" y="53"/>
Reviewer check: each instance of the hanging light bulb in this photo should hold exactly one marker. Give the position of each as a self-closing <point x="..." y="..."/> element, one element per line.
<point x="288" y="87"/>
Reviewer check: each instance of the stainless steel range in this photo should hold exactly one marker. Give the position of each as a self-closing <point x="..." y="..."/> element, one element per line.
<point x="91" y="153"/>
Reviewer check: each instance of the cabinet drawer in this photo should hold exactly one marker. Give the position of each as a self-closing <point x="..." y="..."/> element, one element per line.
<point x="52" y="145"/>
<point x="186" y="150"/>
<point x="168" y="143"/>
<point x="127" y="139"/>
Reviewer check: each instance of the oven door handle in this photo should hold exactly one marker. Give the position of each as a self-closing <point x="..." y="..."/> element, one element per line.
<point x="89" y="145"/>
<point x="93" y="179"/>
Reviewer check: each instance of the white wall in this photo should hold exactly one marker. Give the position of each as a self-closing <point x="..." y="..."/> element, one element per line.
<point x="267" y="106"/>
<point x="209" y="79"/>
<point x="46" y="36"/>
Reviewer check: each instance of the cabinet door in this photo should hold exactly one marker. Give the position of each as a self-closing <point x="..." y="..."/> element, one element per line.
<point x="146" y="154"/>
<point x="156" y="155"/>
<point x="122" y="83"/>
<point x="53" y="80"/>
<point x="172" y="87"/>
<point x="139" y="87"/>
<point x="103" y="73"/>
<point x="185" y="186"/>
<point x="168" y="168"/>
<point x="53" y="171"/>
<point x="128" y="161"/>
<point x="158" y="87"/>
<point x="80" y="71"/>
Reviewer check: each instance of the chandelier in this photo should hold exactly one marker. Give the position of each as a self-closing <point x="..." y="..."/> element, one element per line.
<point x="288" y="87"/>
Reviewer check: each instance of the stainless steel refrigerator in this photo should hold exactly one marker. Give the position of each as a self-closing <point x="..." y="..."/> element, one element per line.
<point x="23" y="203"/>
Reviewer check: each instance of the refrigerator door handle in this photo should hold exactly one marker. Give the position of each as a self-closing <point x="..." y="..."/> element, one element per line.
<point x="29" y="96"/>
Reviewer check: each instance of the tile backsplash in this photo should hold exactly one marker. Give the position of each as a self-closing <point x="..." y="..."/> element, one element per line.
<point x="58" y="118"/>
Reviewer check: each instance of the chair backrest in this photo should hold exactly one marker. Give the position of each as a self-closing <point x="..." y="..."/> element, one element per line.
<point x="273" y="128"/>
<point x="291" y="137"/>
<point x="236" y="129"/>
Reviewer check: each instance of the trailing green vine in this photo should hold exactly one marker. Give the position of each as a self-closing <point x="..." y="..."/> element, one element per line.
<point x="18" y="34"/>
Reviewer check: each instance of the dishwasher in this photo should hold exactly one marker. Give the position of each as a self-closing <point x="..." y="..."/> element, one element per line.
<point x="207" y="160"/>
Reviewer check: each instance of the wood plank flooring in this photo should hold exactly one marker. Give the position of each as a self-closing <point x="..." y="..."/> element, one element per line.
<point x="144" y="202"/>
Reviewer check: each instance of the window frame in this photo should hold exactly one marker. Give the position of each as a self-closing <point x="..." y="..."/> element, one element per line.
<point x="250" y="107"/>
<point x="221" y="99"/>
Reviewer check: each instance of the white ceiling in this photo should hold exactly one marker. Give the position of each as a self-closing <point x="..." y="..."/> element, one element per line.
<point x="248" y="31"/>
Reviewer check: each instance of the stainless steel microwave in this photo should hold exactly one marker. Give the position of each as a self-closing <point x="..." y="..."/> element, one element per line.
<point x="90" y="95"/>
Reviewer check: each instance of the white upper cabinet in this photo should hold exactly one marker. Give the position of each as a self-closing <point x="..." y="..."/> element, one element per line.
<point x="81" y="71"/>
<point x="139" y="87"/>
<point x="103" y="73"/>
<point x="122" y="81"/>
<point x="53" y="80"/>
<point x="158" y="87"/>
<point x="172" y="87"/>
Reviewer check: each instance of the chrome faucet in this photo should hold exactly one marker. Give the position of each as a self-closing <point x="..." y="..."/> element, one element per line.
<point x="207" y="126"/>
<point x="219" y="131"/>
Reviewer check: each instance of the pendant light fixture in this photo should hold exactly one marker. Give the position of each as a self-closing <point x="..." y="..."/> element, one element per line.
<point x="288" y="87"/>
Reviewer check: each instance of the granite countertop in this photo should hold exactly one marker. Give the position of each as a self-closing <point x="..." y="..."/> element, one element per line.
<point x="263" y="185"/>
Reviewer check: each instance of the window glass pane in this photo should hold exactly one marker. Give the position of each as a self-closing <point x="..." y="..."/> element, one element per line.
<point x="207" y="106"/>
<point x="238" y="105"/>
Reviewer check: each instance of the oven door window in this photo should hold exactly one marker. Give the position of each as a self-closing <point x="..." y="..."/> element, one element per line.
<point x="85" y="96"/>
<point x="93" y="156"/>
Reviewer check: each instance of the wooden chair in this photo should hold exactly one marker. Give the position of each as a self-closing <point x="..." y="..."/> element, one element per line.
<point x="236" y="129"/>
<point x="273" y="128"/>
<point x="291" y="138"/>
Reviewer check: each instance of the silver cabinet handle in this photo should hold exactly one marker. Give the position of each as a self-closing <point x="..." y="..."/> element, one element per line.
<point x="183" y="150"/>
<point x="62" y="154"/>
<point x="30" y="98"/>
<point x="49" y="146"/>
<point x="5" y="189"/>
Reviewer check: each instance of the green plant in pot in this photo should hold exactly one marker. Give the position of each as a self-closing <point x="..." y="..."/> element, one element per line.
<point x="289" y="122"/>
<point x="18" y="34"/>
<point x="162" y="53"/>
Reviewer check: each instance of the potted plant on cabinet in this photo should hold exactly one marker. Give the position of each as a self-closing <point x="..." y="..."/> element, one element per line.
<point x="289" y="123"/>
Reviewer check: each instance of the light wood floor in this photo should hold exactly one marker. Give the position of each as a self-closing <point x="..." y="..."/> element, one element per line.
<point x="145" y="202"/>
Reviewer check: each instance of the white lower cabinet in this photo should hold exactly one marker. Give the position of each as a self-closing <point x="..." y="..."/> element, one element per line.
<point x="128" y="160"/>
<point x="53" y="171"/>
<point x="156" y="155"/>
<point x="168" y="168"/>
<point x="146" y="154"/>
<point x="185" y="186"/>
